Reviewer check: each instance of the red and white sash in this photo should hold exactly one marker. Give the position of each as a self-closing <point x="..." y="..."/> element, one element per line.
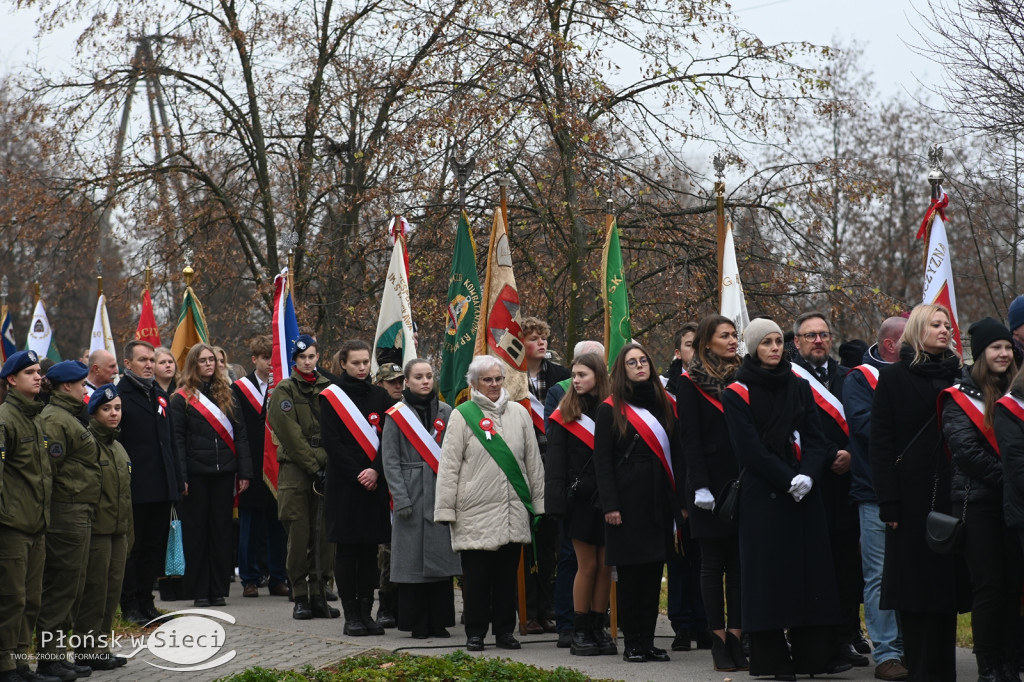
<point x="828" y="403"/>
<point x="582" y="428"/>
<point x="870" y="373"/>
<point x="357" y="424"/>
<point x="653" y="433"/>
<point x="975" y="411"/>
<point x="707" y="396"/>
<point x="412" y="428"/>
<point x="743" y="391"/>
<point x="252" y="393"/>
<point x="535" y="407"/>
<point x="213" y="415"/>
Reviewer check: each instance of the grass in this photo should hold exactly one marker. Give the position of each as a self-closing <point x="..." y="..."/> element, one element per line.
<point x="382" y="665"/>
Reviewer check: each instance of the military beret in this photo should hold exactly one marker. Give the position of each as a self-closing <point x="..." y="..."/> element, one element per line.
<point x="389" y="372"/>
<point x="302" y="343"/>
<point x="101" y="396"/>
<point x="67" y="372"/>
<point x="19" y="361"/>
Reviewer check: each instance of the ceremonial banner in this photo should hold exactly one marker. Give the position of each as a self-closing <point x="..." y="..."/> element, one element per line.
<point x="499" y="333"/>
<point x="284" y="330"/>
<point x="938" y="270"/>
<point x="462" y="319"/>
<point x="7" y="345"/>
<point x="40" y="334"/>
<point x="191" y="327"/>
<point x="393" y="342"/>
<point x="733" y="305"/>
<point x="617" y="329"/>
<point x="147" y="329"/>
<point x="102" y="338"/>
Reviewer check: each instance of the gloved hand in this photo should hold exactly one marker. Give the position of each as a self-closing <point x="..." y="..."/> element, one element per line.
<point x="800" y="486"/>
<point x="404" y="512"/>
<point x="704" y="499"/>
<point x="320" y="481"/>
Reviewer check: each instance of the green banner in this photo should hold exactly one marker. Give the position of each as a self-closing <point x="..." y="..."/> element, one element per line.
<point x="461" y="318"/>
<point x="617" y="331"/>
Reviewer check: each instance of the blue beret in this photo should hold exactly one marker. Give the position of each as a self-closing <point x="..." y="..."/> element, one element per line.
<point x="302" y="343"/>
<point x="101" y="396"/>
<point x="67" y="372"/>
<point x="19" y="361"/>
<point x="1015" y="316"/>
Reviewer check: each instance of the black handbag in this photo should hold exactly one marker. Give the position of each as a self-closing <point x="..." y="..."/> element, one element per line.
<point x="943" y="533"/>
<point x="728" y="507"/>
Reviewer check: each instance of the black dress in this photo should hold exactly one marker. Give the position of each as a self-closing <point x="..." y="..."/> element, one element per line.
<point x="569" y="457"/>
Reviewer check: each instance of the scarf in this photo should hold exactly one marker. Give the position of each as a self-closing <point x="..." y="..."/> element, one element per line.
<point x="701" y="375"/>
<point x="942" y="370"/>
<point x="354" y="387"/>
<point x="775" y="401"/>
<point x="642" y="395"/>
<point x="425" y="406"/>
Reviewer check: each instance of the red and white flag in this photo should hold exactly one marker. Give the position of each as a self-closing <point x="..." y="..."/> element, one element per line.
<point x="938" y="269"/>
<point x="147" y="329"/>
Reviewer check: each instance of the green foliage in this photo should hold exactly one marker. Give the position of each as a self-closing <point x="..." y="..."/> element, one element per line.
<point x="457" y="665"/>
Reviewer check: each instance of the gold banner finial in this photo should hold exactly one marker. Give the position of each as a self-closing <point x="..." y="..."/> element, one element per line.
<point x="188" y="271"/>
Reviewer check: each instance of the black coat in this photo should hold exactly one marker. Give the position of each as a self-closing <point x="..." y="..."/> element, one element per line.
<point x="786" y="574"/>
<point x="201" y="450"/>
<point x="568" y="457"/>
<point x="976" y="465"/>
<point x="904" y="427"/>
<point x="258" y="496"/>
<point x="1010" y="436"/>
<point x="710" y="460"/>
<point x="354" y="514"/>
<point x="146" y="437"/>
<point x="639" y="488"/>
<point x="835" y="488"/>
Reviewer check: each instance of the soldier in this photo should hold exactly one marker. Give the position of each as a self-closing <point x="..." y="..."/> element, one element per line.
<point x="25" y="483"/>
<point x="111" y="534"/>
<point x="294" y="416"/>
<point x="76" y="492"/>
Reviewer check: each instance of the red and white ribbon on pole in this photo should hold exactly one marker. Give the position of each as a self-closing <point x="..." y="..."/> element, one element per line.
<point x="938" y="270"/>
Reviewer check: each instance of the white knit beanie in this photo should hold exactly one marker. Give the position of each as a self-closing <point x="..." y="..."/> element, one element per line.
<point x="756" y="331"/>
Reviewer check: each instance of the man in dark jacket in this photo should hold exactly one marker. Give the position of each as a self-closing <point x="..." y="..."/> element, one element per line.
<point x="858" y="392"/>
<point x="683" y="354"/>
<point x="261" y="542"/>
<point x="146" y="436"/>
<point x="813" y="338"/>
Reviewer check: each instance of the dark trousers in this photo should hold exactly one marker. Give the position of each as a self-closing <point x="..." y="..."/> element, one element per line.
<point x="146" y="560"/>
<point x="540" y="576"/>
<point x="22" y="557"/>
<point x="355" y="571"/>
<point x="260" y="528"/>
<point x="721" y="557"/>
<point x="638" y="591"/>
<point x="811" y="648"/>
<point x="206" y="534"/>
<point x="685" y="603"/>
<point x="424" y="608"/>
<point x="565" y="576"/>
<point x="489" y="589"/>
<point x="929" y="646"/>
<point x="993" y="557"/>
<point x="845" y="545"/>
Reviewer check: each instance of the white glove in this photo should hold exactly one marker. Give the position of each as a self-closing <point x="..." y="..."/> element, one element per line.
<point x="800" y="486"/>
<point x="704" y="499"/>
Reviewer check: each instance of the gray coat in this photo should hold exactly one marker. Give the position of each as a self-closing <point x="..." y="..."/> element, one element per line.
<point x="421" y="550"/>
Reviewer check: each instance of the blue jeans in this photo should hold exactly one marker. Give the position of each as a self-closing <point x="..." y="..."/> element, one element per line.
<point x="565" y="576"/>
<point x="256" y="528"/>
<point x="883" y="626"/>
<point x="685" y="603"/>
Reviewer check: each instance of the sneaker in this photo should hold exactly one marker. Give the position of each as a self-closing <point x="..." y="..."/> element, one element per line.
<point x="891" y="670"/>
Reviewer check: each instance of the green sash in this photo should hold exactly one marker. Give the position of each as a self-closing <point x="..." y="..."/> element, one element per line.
<point x="499" y="451"/>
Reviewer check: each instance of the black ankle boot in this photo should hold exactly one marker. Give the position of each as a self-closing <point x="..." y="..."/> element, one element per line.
<point x="354" y="625"/>
<point x="720" y="655"/>
<point x="366" y="612"/>
<point x="583" y="643"/>
<point x="1010" y="663"/>
<point x="988" y="668"/>
<point x="386" y="610"/>
<point x="735" y="647"/>
<point x="605" y="643"/>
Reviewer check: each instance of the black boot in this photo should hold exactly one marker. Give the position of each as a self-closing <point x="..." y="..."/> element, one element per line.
<point x="988" y="668"/>
<point x="720" y="655"/>
<point x="354" y="625"/>
<point x="386" y="610"/>
<point x="732" y="642"/>
<point x="320" y="608"/>
<point x="605" y="643"/>
<point x="583" y="643"/>
<point x="301" y="609"/>
<point x="1010" y="663"/>
<point x="366" y="613"/>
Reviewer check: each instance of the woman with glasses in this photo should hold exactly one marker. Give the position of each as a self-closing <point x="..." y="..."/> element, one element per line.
<point x="490" y="483"/>
<point x="213" y="451"/>
<point x="638" y="465"/>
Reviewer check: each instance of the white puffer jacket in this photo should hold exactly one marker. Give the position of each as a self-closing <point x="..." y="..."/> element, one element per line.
<point x="473" y="493"/>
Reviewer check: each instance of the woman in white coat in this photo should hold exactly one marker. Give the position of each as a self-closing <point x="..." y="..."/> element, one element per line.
<point x="490" y="484"/>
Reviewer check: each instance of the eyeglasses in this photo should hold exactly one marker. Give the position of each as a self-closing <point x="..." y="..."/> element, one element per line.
<point x="811" y="336"/>
<point x="637" y="362"/>
<point x="492" y="380"/>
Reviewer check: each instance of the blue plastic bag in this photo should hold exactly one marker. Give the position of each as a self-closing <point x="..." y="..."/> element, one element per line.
<point x="174" y="563"/>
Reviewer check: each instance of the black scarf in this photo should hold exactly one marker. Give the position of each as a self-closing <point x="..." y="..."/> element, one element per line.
<point x="708" y="383"/>
<point x="775" y="401"/>
<point x="642" y="395"/>
<point x="588" y="403"/>
<point x="354" y="387"/>
<point x="425" y="406"/>
<point x="942" y="370"/>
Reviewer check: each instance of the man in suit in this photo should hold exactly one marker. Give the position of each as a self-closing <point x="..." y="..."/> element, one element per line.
<point x="260" y="533"/>
<point x="156" y="483"/>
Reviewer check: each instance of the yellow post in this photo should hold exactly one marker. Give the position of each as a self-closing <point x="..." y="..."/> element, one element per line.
<point x="291" y="274"/>
<point x="521" y="578"/>
<point x="149" y="276"/>
<point x="720" y="232"/>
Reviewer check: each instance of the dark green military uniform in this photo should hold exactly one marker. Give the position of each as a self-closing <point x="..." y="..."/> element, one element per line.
<point x="25" y="488"/>
<point x="294" y="416"/>
<point x="110" y="542"/>
<point x="76" y="492"/>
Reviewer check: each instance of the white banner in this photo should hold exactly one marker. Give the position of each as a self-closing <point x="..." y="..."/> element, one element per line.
<point x="734" y="306"/>
<point x="394" y="325"/>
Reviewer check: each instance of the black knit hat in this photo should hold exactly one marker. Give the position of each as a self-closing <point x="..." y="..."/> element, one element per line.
<point x="984" y="333"/>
